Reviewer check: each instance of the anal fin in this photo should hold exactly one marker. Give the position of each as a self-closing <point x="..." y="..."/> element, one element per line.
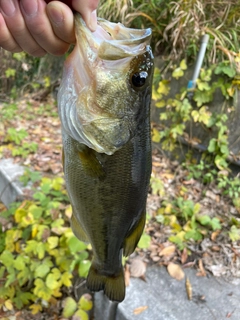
<point x="78" y="230"/>
<point x="132" y="239"/>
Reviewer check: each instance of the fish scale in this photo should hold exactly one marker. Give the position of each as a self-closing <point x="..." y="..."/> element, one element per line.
<point x="107" y="154"/>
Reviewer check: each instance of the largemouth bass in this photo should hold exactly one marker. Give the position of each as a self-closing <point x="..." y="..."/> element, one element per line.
<point x="104" y="106"/>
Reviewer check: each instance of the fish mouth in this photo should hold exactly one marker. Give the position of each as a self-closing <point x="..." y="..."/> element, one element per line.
<point x="113" y="41"/>
<point x="102" y="61"/>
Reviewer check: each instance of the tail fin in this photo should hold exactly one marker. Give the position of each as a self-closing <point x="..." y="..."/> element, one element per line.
<point x="113" y="286"/>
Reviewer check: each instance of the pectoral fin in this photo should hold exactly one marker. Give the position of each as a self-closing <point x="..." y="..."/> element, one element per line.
<point x="132" y="239"/>
<point x="91" y="164"/>
<point x="78" y="230"/>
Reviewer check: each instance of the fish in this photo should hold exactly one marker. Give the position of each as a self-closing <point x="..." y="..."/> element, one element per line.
<point x="104" y="107"/>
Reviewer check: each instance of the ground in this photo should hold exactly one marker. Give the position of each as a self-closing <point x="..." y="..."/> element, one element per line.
<point x="214" y="252"/>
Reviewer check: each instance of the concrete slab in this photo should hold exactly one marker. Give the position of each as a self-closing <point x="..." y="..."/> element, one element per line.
<point x="166" y="298"/>
<point x="11" y="189"/>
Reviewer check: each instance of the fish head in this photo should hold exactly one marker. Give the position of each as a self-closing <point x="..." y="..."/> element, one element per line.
<point x="109" y="75"/>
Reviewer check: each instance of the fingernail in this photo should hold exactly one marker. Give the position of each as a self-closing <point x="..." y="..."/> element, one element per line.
<point x="55" y="14"/>
<point x="8" y="7"/>
<point x="92" y="22"/>
<point x="30" y="7"/>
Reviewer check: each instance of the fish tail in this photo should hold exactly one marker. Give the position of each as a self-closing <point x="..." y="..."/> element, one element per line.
<point x="113" y="286"/>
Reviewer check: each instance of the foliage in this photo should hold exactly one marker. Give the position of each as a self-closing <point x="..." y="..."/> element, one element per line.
<point x="17" y="145"/>
<point x="39" y="255"/>
<point x="184" y="218"/>
<point x="179" y="113"/>
<point x="178" y="25"/>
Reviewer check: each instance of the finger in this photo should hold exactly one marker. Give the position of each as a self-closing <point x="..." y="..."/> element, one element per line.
<point x="88" y="11"/>
<point x="15" y="23"/>
<point x="38" y="24"/>
<point x="62" y="21"/>
<point x="7" y="42"/>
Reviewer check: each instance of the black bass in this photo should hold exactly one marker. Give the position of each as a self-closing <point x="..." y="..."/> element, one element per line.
<point x="104" y="106"/>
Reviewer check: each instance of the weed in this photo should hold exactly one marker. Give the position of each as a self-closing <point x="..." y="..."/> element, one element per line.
<point x="39" y="255"/>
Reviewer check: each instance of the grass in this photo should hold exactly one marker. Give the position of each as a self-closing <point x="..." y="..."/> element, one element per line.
<point x="178" y="25"/>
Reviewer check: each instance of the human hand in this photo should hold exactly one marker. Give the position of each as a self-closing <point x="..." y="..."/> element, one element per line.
<point x="36" y="27"/>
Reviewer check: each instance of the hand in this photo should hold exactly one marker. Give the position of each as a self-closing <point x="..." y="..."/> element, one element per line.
<point x="36" y="27"/>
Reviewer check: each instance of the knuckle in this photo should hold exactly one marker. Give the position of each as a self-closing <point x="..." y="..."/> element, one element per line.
<point x="59" y="51"/>
<point x="10" y="46"/>
<point x="36" y="52"/>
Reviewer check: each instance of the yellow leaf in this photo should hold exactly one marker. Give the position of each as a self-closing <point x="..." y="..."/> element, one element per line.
<point x="85" y="302"/>
<point x="53" y="242"/>
<point x="168" y="208"/>
<point x="66" y="279"/>
<point x="19" y="214"/>
<point x="140" y="310"/>
<point x="8" y="304"/>
<point x="156" y="135"/>
<point x="181" y="235"/>
<point x="80" y="315"/>
<point x="183" y="65"/>
<point x="175" y="271"/>
<point x="168" y="251"/>
<point x="189" y="289"/>
<point x="177" y="73"/>
<point x="27" y="220"/>
<point x="176" y="227"/>
<point x="161" y="104"/>
<point x="34" y="231"/>
<point x="18" y="246"/>
<point x="56" y="293"/>
<point x="172" y="220"/>
<point x="163" y="87"/>
<point x="68" y="212"/>
<point x="155" y="94"/>
<point x="35" y="308"/>
<point x="69" y="307"/>
<point x="187" y="227"/>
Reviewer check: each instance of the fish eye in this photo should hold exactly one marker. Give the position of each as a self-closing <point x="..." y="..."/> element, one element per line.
<point x="139" y="79"/>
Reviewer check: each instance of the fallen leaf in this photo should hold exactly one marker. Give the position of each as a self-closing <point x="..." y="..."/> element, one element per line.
<point x="189" y="289"/>
<point x="175" y="271"/>
<point x="167" y="251"/>
<point x="168" y="176"/>
<point x="189" y="182"/>
<point x="155" y="258"/>
<point x="229" y="314"/>
<point x="202" y="272"/>
<point x="215" y="248"/>
<point x="184" y="256"/>
<point x="127" y="275"/>
<point x="215" y="234"/>
<point x="140" y="310"/>
<point x="137" y="268"/>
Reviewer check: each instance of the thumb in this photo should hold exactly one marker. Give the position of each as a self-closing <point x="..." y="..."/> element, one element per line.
<point x="88" y="11"/>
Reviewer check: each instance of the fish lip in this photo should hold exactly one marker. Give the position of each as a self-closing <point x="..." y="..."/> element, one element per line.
<point x="135" y="35"/>
<point x="124" y="42"/>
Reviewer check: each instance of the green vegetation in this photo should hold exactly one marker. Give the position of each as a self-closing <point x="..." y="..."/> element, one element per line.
<point x="179" y="113"/>
<point x="178" y="25"/>
<point x="39" y="255"/>
<point x="178" y="116"/>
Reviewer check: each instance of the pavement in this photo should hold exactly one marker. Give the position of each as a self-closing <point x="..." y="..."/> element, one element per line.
<point x="11" y="189"/>
<point x="160" y="297"/>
